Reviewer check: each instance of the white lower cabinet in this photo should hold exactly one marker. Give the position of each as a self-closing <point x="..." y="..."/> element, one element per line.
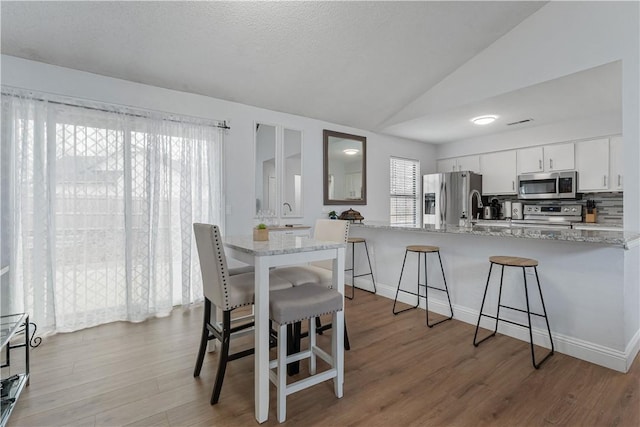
<point x="498" y="172"/>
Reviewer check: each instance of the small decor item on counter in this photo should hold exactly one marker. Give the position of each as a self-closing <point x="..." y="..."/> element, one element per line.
<point x="351" y="215"/>
<point x="333" y="215"/>
<point x="591" y="215"/>
<point x="506" y="209"/>
<point x="516" y="210"/>
<point x="463" y="221"/>
<point x="261" y="233"/>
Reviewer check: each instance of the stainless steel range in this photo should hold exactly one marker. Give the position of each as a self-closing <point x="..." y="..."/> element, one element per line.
<point x="550" y="216"/>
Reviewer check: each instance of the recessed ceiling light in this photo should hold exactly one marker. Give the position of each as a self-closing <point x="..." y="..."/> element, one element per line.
<point x="350" y="151"/>
<point x="484" y="120"/>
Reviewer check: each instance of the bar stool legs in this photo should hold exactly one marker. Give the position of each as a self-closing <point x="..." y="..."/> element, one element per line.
<point x="423" y="250"/>
<point x="524" y="263"/>
<point x="353" y="241"/>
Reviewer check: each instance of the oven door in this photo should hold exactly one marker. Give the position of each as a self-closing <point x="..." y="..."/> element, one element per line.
<point x="538" y="186"/>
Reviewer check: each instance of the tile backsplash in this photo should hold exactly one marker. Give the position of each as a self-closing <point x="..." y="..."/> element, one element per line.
<point x="609" y="205"/>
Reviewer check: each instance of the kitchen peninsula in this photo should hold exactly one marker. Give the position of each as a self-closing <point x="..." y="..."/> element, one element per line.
<point x="587" y="276"/>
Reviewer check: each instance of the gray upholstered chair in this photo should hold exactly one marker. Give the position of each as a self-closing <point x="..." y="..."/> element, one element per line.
<point x="227" y="293"/>
<point x="293" y="305"/>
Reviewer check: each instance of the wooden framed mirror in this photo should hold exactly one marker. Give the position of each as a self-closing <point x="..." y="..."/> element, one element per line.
<point x="345" y="168"/>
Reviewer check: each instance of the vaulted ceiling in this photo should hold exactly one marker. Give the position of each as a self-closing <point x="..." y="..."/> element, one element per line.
<point x="352" y="63"/>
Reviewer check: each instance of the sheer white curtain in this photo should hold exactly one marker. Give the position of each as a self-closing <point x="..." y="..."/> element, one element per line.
<point x="100" y="207"/>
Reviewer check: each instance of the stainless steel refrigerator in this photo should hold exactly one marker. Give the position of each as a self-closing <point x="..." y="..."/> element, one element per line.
<point x="446" y="197"/>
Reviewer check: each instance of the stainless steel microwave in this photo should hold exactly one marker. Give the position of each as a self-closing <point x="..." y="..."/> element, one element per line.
<point x="544" y="186"/>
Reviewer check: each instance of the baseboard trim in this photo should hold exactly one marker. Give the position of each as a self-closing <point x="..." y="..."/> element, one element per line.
<point x="600" y="355"/>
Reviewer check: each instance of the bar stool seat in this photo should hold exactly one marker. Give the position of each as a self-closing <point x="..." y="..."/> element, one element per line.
<point x="423" y="249"/>
<point x="524" y="263"/>
<point x="353" y="241"/>
<point x="513" y="261"/>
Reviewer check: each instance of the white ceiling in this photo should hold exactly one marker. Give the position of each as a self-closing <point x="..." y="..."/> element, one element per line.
<point x="351" y="63"/>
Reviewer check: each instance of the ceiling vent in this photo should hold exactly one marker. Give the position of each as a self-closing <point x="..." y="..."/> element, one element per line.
<point x="519" y="122"/>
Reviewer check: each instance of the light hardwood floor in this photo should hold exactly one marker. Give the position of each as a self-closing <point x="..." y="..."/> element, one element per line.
<point x="398" y="373"/>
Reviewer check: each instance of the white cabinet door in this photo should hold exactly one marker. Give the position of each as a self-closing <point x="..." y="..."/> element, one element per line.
<point x="466" y="163"/>
<point x="498" y="172"/>
<point x="447" y="165"/>
<point x="616" y="159"/>
<point x="559" y="157"/>
<point x="469" y="163"/>
<point x="592" y="164"/>
<point x="530" y="160"/>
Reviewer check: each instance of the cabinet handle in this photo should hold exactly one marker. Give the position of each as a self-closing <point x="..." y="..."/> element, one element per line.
<point x="619" y="180"/>
<point x="550" y="163"/>
<point x="604" y="181"/>
<point x="513" y="185"/>
<point x="453" y="168"/>
<point x="540" y="164"/>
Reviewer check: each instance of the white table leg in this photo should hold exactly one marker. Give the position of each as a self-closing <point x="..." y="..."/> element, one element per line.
<point x="261" y="358"/>
<point x="338" y="327"/>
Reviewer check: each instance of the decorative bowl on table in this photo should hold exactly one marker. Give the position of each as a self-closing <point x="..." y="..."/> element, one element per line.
<point x="351" y="215"/>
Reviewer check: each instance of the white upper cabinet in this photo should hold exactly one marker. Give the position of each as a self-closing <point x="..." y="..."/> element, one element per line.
<point x="530" y="160"/>
<point x="498" y="172"/>
<point x="550" y="158"/>
<point x="466" y="163"/>
<point x="592" y="164"/>
<point x="616" y="168"/>
<point x="447" y="165"/>
<point x="559" y="157"/>
<point x="469" y="163"/>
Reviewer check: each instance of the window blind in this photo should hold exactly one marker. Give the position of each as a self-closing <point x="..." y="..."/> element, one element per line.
<point x="404" y="191"/>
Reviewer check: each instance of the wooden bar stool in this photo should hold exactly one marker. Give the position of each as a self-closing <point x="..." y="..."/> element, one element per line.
<point x="425" y="250"/>
<point x="352" y="241"/>
<point x="524" y="263"/>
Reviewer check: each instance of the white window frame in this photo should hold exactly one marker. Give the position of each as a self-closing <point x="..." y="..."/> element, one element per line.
<point x="404" y="187"/>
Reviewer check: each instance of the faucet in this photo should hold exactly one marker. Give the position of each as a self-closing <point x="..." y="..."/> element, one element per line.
<point x="288" y="205"/>
<point x="471" y="194"/>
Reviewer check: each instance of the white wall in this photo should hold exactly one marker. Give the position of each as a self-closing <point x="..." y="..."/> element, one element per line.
<point x="240" y="204"/>
<point x="575" y="130"/>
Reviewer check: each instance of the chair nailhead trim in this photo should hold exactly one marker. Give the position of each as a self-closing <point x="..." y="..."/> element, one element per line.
<point x="310" y="317"/>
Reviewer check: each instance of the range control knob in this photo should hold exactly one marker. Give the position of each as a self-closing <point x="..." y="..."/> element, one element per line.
<point x="574" y="209"/>
<point x="566" y="209"/>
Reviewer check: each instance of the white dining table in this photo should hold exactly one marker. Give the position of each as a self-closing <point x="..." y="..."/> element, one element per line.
<point x="283" y="250"/>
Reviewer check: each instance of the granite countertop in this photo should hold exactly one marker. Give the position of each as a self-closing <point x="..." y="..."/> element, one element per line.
<point x="279" y="244"/>
<point x="621" y="238"/>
